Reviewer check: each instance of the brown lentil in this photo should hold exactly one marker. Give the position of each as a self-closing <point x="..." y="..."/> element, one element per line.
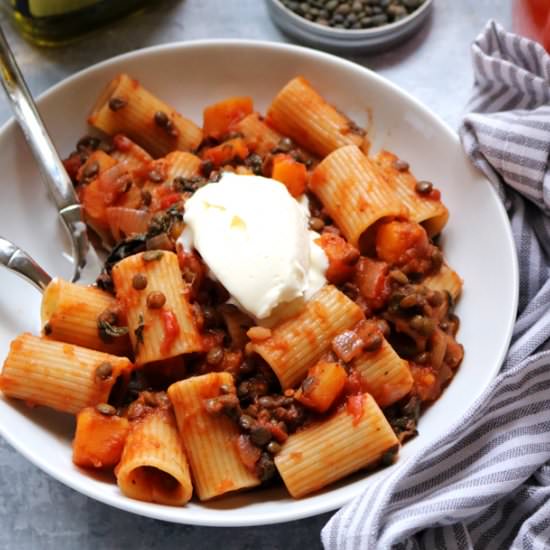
<point x="316" y="224"/>
<point x="105" y="409"/>
<point x="353" y="14"/>
<point x="117" y="103"/>
<point x="161" y="119"/>
<point x="155" y="300"/>
<point x="91" y="170"/>
<point x="206" y="167"/>
<point x="87" y="143"/>
<point x="139" y="281"/>
<point x="146" y="197"/>
<point x="373" y="342"/>
<point x="423" y="187"/>
<point x="265" y="467"/>
<point x="423" y="325"/>
<point x="398" y="276"/>
<point x="273" y="448"/>
<point x="435" y="298"/>
<point x="212" y="406"/>
<point x="225" y="389"/>
<point x="422" y="358"/>
<point x="214" y="356"/>
<point x="104" y="371"/>
<point x="260" y="435"/>
<point x="401" y="165"/>
<point x="284" y="146"/>
<point x="152" y="255"/>
<point x="409" y="301"/>
<point x="246" y="422"/>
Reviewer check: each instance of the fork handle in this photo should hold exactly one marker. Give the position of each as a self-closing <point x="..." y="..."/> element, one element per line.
<point x="18" y="261"/>
<point x="53" y="172"/>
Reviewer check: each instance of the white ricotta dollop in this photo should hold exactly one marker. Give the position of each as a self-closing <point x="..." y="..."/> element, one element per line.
<point x="253" y="236"/>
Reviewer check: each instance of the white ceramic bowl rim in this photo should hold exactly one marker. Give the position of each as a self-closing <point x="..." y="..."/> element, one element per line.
<point x="202" y="516"/>
<point x="389" y="28"/>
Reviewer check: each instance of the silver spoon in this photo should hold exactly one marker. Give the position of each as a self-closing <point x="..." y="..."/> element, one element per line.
<point x="86" y="263"/>
<point x="18" y="261"/>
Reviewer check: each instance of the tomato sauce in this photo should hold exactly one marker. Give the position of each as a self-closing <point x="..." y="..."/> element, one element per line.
<point x="171" y="330"/>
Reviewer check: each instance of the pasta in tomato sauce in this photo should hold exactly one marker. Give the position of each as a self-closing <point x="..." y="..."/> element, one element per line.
<point x="198" y="379"/>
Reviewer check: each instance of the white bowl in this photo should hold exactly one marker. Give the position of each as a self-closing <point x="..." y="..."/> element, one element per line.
<point x="350" y="41"/>
<point x="477" y="241"/>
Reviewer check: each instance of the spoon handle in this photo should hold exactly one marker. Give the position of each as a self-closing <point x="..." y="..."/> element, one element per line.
<point x="18" y="261"/>
<point x="53" y="172"/>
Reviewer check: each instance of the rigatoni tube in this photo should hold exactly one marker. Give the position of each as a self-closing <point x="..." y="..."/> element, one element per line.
<point x="159" y="316"/>
<point x="384" y="374"/>
<point x="355" y="437"/>
<point x="126" y="107"/>
<point x="299" y="342"/>
<point x="355" y="192"/>
<point x="446" y="279"/>
<point x="71" y="313"/>
<point x="300" y="113"/>
<point x="424" y="208"/>
<point x="153" y="467"/>
<point x="58" y="375"/>
<point x="210" y="440"/>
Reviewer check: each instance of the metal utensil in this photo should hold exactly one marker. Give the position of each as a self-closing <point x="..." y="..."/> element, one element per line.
<point x="18" y="261"/>
<point x="86" y="263"/>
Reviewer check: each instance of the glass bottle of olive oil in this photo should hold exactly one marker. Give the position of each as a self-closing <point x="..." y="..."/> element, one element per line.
<point x="56" y="22"/>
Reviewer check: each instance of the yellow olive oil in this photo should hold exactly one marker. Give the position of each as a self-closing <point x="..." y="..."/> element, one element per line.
<point x="57" y="22"/>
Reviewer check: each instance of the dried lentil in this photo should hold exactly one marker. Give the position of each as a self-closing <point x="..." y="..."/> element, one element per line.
<point x="356" y="14"/>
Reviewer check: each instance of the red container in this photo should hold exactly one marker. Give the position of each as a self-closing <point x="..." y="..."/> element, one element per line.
<point x="532" y="19"/>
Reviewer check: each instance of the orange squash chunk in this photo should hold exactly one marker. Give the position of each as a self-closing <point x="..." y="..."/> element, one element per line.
<point x="219" y="118"/>
<point x="290" y="172"/>
<point x="395" y="238"/>
<point x="226" y="152"/>
<point x="323" y="384"/>
<point x="99" y="439"/>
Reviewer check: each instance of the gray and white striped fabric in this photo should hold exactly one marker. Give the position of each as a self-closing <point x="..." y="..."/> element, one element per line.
<point x="485" y="484"/>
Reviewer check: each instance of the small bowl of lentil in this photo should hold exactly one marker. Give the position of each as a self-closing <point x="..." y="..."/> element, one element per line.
<point x="351" y="26"/>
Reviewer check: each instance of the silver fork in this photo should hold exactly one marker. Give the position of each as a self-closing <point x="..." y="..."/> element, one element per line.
<point x="86" y="262"/>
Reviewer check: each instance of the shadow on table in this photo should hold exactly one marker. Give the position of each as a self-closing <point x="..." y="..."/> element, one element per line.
<point x="397" y="54"/>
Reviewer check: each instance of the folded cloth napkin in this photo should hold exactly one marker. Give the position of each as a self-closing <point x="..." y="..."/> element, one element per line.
<point x="485" y="484"/>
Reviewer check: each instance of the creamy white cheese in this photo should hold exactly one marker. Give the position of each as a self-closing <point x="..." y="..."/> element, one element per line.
<point x="253" y="236"/>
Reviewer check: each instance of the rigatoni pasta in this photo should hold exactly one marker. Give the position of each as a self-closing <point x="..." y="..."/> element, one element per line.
<point x="387" y="377"/>
<point x="356" y="437"/>
<point x="73" y="313"/>
<point x="280" y="291"/>
<point x="127" y="107"/>
<point x="355" y="192"/>
<point x="153" y="466"/>
<point x="445" y="279"/>
<point x="300" y="113"/>
<point x="259" y="137"/>
<point x="60" y="376"/>
<point x="210" y="441"/>
<point x="300" y="341"/>
<point x="420" y="198"/>
<point x="159" y="316"/>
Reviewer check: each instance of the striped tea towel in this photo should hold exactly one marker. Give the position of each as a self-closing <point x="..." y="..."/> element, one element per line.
<point x="486" y="483"/>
